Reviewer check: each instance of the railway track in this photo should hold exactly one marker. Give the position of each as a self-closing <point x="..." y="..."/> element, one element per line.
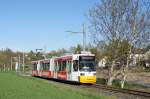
<point x="124" y="91"/>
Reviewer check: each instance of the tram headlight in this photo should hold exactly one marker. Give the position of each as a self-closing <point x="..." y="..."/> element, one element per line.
<point x="82" y="74"/>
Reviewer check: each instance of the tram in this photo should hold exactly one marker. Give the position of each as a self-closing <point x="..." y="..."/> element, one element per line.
<point x="76" y="67"/>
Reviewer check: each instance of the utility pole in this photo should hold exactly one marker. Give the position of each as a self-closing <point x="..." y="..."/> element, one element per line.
<point x="23" y="62"/>
<point x="4" y="67"/>
<point x="11" y="63"/>
<point x="19" y="62"/>
<point x="84" y="36"/>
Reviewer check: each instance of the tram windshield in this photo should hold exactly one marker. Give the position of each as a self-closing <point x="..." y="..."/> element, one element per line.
<point x="87" y="63"/>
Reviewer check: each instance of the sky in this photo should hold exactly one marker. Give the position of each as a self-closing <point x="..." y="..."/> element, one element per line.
<point x="30" y="24"/>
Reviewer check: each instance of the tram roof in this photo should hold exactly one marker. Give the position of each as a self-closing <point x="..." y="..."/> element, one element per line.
<point x="65" y="57"/>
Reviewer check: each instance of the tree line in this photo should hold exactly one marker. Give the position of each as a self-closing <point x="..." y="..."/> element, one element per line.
<point x="8" y="57"/>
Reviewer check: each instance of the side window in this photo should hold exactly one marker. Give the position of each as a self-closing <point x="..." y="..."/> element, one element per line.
<point x="59" y="66"/>
<point x="44" y="65"/>
<point x="55" y="67"/>
<point x="34" y="66"/>
<point x="75" y="65"/>
<point x="47" y="66"/>
<point x="63" y="65"/>
<point x="41" y="66"/>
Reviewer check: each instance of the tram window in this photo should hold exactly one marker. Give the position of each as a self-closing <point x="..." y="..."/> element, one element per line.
<point x="59" y="66"/>
<point x="46" y="66"/>
<point x="34" y="66"/>
<point x="63" y="65"/>
<point x="75" y="65"/>
<point x="43" y="65"/>
<point x="55" y="67"/>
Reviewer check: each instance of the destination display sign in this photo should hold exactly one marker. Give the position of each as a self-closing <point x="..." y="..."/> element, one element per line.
<point x="88" y="58"/>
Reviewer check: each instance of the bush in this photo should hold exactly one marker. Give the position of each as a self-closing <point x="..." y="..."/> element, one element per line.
<point x="101" y="81"/>
<point x="116" y="83"/>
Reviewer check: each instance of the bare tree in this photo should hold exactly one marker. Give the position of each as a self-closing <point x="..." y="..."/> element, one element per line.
<point x="116" y="21"/>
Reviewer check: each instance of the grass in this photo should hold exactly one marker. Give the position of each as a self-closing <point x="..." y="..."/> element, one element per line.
<point x="13" y="86"/>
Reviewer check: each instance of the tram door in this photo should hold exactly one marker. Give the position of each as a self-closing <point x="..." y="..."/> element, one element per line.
<point x="39" y="68"/>
<point x="52" y="69"/>
<point x="55" y="69"/>
<point x="68" y="67"/>
<point x="75" y="73"/>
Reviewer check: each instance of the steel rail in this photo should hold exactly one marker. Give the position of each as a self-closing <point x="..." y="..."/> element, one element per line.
<point x="119" y="90"/>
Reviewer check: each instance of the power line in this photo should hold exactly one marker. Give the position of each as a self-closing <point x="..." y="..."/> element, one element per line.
<point x="84" y="36"/>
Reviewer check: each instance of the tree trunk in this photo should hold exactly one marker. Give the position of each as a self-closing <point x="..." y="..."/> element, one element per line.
<point x="126" y="70"/>
<point x="123" y="81"/>
<point x="111" y="77"/>
<point x="110" y="80"/>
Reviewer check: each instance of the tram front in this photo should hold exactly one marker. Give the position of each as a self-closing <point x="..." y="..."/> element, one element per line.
<point x="87" y="69"/>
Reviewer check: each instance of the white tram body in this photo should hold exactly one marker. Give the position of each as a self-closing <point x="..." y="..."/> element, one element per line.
<point x="76" y="67"/>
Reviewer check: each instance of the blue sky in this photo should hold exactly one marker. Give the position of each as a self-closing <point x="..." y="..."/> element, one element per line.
<point x="29" y="24"/>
